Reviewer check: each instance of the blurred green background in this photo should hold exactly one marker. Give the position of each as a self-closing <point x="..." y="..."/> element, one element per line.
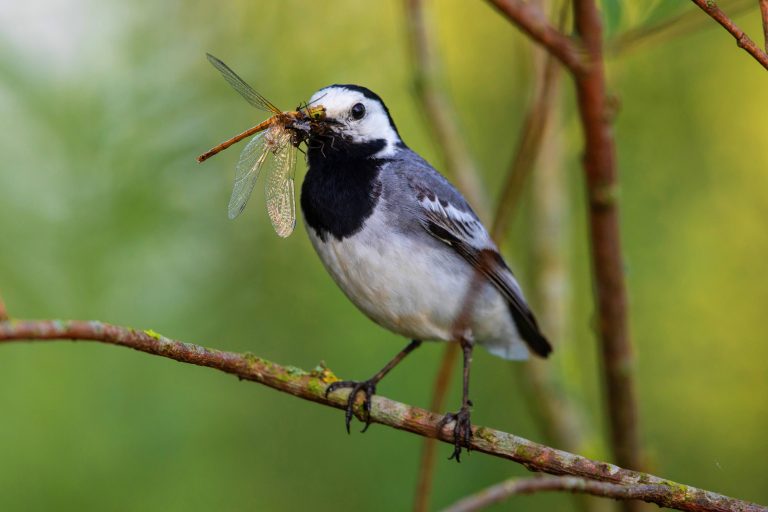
<point x="105" y="214"/>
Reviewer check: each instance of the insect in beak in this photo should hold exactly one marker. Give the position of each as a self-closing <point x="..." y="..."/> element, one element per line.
<point x="272" y="148"/>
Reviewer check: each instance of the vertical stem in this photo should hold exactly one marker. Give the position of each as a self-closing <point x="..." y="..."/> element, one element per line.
<point x="602" y="185"/>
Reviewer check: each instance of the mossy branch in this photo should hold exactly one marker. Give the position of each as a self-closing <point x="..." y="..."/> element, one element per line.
<point x="516" y="486"/>
<point x="311" y="386"/>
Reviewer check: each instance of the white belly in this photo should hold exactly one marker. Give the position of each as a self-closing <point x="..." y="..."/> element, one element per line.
<point x="415" y="289"/>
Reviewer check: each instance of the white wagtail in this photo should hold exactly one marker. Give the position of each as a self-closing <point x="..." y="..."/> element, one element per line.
<point x="404" y="245"/>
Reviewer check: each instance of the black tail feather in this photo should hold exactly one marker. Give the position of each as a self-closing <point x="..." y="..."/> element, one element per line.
<point x="529" y="331"/>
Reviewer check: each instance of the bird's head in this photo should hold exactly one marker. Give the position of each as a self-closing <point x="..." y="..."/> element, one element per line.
<point x="356" y="119"/>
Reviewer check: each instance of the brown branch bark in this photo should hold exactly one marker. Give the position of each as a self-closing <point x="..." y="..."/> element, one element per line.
<point x="742" y="39"/>
<point x="311" y="386"/>
<point x="764" y="15"/>
<point x="532" y="20"/>
<point x="517" y="486"/>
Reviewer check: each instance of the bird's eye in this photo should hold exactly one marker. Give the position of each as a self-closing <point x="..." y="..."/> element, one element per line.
<point x="358" y="111"/>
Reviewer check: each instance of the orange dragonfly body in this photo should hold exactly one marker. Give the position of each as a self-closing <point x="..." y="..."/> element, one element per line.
<point x="272" y="148"/>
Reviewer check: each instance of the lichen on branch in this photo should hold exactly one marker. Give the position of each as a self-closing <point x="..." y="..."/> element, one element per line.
<point x="311" y="386"/>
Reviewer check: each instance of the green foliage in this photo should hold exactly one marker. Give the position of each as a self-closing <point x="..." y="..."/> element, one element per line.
<point x="105" y="214"/>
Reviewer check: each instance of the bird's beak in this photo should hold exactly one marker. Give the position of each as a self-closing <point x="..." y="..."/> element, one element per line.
<point x="303" y="119"/>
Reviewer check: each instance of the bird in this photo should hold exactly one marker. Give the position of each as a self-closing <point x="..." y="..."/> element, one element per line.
<point x="406" y="248"/>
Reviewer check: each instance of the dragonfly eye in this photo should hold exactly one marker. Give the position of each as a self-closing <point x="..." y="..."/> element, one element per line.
<point x="317" y="112"/>
<point x="358" y="111"/>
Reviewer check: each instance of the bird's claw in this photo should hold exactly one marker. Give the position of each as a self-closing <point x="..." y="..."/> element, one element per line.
<point x="462" y="430"/>
<point x="368" y="388"/>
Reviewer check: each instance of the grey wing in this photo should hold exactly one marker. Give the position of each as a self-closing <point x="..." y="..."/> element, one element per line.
<point x="445" y="214"/>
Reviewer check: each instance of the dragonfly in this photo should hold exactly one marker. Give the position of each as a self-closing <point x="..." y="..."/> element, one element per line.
<point x="272" y="149"/>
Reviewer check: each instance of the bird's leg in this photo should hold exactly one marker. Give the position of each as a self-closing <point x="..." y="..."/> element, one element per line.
<point x="368" y="387"/>
<point x="462" y="425"/>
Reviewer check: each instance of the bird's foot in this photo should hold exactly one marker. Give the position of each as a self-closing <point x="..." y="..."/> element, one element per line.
<point x="462" y="430"/>
<point x="368" y="388"/>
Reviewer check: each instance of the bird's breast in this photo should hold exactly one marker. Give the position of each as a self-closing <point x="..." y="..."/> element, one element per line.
<point x="402" y="283"/>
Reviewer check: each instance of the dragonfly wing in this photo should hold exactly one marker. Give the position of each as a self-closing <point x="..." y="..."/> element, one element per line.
<point x="245" y="90"/>
<point x="247" y="172"/>
<point x="279" y="189"/>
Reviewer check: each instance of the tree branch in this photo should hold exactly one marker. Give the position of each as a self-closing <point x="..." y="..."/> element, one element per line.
<point x="742" y="39"/>
<point x="531" y="20"/>
<point x="516" y="486"/>
<point x="311" y="386"/>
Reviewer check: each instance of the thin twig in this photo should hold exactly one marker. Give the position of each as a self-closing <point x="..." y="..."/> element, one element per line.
<point x="532" y="20"/>
<point x="439" y="112"/>
<point x="516" y="486"/>
<point x="311" y="386"/>
<point x="764" y="13"/>
<point x="684" y="23"/>
<point x="429" y="446"/>
<point x="742" y="39"/>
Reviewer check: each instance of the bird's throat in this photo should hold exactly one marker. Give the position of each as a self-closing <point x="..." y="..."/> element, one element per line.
<point x="342" y="186"/>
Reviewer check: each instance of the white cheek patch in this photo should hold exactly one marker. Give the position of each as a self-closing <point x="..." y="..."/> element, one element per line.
<point x="375" y="125"/>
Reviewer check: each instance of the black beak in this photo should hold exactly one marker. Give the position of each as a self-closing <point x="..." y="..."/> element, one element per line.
<point x="323" y="126"/>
